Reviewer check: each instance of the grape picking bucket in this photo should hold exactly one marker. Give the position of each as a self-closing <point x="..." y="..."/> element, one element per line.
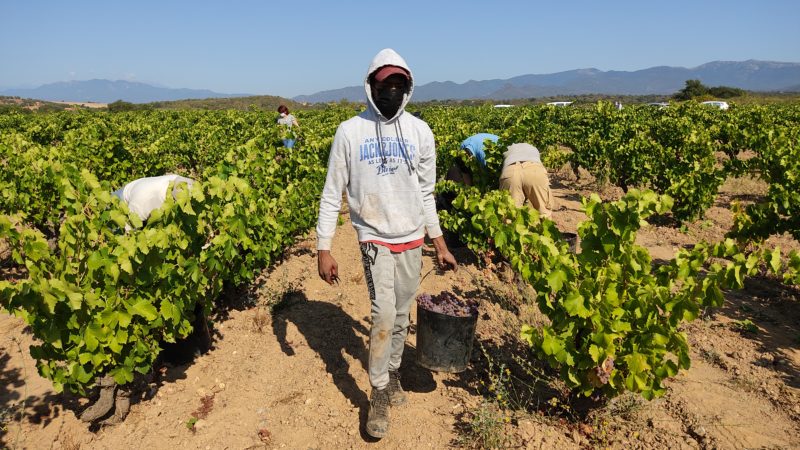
<point x="444" y="343"/>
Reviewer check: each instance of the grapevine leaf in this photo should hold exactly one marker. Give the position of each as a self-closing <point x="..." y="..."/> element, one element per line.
<point x="118" y="218"/>
<point x="143" y="308"/>
<point x="574" y="304"/>
<point x="596" y="353"/>
<point x="551" y="345"/>
<point x="775" y="260"/>
<point x="92" y="336"/>
<point x="95" y="261"/>
<point x="125" y="264"/>
<point x="122" y="374"/>
<point x="170" y="311"/>
<point x="113" y="270"/>
<point x="637" y="363"/>
<point x="556" y="280"/>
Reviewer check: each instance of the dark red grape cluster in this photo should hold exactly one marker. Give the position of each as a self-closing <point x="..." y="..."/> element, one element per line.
<point x="448" y="304"/>
<point x="603" y="371"/>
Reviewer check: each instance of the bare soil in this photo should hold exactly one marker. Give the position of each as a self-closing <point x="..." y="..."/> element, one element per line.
<point x="288" y="367"/>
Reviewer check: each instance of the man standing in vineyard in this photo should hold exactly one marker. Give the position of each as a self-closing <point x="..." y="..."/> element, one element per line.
<point x="525" y="177"/>
<point x="286" y="121"/>
<point x="386" y="160"/>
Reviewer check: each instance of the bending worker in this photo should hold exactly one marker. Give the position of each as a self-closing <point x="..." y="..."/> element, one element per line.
<point x="145" y="195"/>
<point x="526" y="178"/>
<point x="473" y="145"/>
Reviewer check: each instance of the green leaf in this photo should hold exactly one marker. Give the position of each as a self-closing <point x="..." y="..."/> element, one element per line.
<point x="143" y="308"/>
<point x="611" y="296"/>
<point x="556" y="280"/>
<point x="596" y="353"/>
<point x="124" y="318"/>
<point x="551" y="345"/>
<point x="125" y="264"/>
<point x="95" y="261"/>
<point x="574" y="304"/>
<point x="118" y="218"/>
<point x="93" y="335"/>
<point x="113" y="270"/>
<point x="527" y="334"/>
<point x="122" y="374"/>
<point x="499" y="239"/>
<point x="170" y="311"/>
<point x="637" y="363"/>
<point x="75" y="300"/>
<point x="670" y="368"/>
<point x="775" y="260"/>
<point x="80" y="374"/>
<point x="659" y="339"/>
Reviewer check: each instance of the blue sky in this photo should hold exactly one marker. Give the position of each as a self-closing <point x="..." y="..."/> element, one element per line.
<point x="295" y="47"/>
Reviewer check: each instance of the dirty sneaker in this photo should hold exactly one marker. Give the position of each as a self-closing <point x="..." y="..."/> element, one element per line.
<point x="397" y="396"/>
<point x="378" y="417"/>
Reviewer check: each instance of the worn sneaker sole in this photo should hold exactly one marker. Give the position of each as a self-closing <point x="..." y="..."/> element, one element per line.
<point x="377" y="433"/>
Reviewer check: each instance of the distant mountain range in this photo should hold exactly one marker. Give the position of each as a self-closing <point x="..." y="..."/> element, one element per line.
<point x="750" y="75"/>
<point x="107" y="91"/>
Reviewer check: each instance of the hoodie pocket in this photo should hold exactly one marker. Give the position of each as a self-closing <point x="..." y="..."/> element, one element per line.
<point x="392" y="214"/>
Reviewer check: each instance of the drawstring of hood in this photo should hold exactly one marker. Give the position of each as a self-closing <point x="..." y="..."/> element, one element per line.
<point x="380" y="142"/>
<point x="398" y="130"/>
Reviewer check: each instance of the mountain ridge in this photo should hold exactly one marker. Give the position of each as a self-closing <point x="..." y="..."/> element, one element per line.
<point x="751" y="75"/>
<point x="108" y="91"/>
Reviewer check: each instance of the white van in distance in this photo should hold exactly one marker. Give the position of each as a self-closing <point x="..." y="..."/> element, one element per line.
<point x="716" y="104"/>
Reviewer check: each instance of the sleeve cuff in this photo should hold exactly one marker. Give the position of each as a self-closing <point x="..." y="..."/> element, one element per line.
<point x="324" y="243"/>
<point x="434" y="232"/>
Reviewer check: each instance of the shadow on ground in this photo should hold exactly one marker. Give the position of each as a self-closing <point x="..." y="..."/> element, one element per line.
<point x="773" y="308"/>
<point x="329" y="331"/>
<point x="16" y="408"/>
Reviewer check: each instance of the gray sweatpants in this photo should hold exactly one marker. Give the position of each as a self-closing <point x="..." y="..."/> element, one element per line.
<point x="392" y="279"/>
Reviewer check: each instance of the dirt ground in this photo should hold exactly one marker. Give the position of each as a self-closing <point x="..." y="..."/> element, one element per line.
<point x="288" y="369"/>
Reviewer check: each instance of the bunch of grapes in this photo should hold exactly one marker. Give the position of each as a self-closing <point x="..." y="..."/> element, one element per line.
<point x="603" y="371"/>
<point x="448" y="304"/>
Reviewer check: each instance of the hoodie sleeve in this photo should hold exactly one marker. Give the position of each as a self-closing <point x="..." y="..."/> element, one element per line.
<point x="427" y="182"/>
<point x="335" y="182"/>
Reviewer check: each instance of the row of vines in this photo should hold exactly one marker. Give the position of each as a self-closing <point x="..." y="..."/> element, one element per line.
<point x="100" y="300"/>
<point x="615" y="316"/>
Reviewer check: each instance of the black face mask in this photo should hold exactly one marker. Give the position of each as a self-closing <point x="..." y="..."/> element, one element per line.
<point x="388" y="101"/>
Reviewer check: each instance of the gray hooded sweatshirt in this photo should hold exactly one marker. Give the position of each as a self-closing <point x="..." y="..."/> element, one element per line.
<point x="388" y="168"/>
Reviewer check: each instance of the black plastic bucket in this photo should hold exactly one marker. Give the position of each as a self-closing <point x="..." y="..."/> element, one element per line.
<point x="444" y="343"/>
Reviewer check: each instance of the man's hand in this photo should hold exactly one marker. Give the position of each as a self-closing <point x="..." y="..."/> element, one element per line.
<point x="443" y="255"/>
<point x="328" y="269"/>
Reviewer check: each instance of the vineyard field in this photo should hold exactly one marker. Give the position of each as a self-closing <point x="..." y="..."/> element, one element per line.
<point x="675" y="325"/>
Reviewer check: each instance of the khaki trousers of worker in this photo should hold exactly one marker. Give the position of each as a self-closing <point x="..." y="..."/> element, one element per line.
<point x="528" y="181"/>
<point x="392" y="280"/>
